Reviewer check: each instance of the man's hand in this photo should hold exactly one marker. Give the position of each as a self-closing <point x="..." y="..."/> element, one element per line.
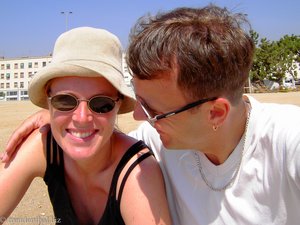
<point x="39" y="120"/>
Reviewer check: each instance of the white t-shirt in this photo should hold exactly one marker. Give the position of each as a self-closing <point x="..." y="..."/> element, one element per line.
<point x="267" y="187"/>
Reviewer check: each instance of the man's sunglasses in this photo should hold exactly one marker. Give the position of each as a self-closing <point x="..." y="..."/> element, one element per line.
<point x="98" y="104"/>
<point x="152" y="117"/>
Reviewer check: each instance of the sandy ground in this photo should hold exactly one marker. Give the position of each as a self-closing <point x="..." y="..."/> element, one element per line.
<point x="35" y="207"/>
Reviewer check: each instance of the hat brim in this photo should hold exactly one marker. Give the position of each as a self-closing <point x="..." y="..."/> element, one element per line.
<point x="37" y="87"/>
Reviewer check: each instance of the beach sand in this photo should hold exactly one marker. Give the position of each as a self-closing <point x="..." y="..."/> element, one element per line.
<point x="35" y="207"/>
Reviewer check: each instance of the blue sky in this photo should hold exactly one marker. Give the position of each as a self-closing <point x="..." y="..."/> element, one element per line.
<point x="30" y="27"/>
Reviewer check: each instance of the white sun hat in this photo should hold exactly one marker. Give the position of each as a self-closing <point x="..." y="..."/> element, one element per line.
<point x="84" y="52"/>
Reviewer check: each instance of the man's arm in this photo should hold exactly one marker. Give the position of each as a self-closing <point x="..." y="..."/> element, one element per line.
<point x="39" y="120"/>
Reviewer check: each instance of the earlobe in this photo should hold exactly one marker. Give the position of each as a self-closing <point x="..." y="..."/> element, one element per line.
<point x="218" y="112"/>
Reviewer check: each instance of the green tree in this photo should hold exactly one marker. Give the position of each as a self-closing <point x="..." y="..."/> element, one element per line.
<point x="290" y="46"/>
<point x="255" y="36"/>
<point x="273" y="59"/>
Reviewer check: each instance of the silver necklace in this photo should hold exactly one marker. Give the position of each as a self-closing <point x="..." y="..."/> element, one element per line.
<point x="231" y="181"/>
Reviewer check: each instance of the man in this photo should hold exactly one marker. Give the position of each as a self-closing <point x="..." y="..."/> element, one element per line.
<point x="226" y="158"/>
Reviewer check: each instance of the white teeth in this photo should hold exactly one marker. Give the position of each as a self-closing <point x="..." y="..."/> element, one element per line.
<point x="81" y="134"/>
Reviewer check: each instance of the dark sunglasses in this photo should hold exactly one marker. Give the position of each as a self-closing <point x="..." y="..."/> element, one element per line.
<point x="98" y="104"/>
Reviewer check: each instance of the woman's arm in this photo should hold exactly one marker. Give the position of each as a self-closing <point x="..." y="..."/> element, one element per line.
<point x="38" y="120"/>
<point x="28" y="162"/>
<point x="144" y="198"/>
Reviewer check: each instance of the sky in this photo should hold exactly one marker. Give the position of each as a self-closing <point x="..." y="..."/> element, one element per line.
<point x="30" y="27"/>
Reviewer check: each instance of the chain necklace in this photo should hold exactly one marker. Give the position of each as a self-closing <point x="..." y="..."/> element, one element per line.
<point x="231" y="181"/>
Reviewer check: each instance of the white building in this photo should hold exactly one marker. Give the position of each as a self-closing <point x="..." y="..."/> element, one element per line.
<point x="126" y="73"/>
<point x="16" y="73"/>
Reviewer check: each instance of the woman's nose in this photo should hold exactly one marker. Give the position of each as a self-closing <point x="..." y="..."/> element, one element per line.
<point x="82" y="113"/>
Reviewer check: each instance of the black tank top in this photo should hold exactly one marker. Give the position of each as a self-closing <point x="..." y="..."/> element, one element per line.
<point x="55" y="180"/>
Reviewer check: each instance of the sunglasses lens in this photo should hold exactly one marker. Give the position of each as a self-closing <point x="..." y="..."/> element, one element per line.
<point x="64" y="102"/>
<point x="101" y="104"/>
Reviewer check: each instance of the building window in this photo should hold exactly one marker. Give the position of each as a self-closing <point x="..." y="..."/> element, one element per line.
<point x="15" y="84"/>
<point x="8" y="66"/>
<point x="15" y="75"/>
<point x="21" y="84"/>
<point x="44" y="64"/>
<point x="22" y="75"/>
<point x="2" y="75"/>
<point x="30" y="65"/>
<point x="24" y="92"/>
<point x="2" y="66"/>
<point x="8" y="76"/>
<point x="30" y="74"/>
<point x="36" y="65"/>
<point x="22" y="65"/>
<point x="12" y="93"/>
<point x="7" y="85"/>
<point x="2" y="86"/>
<point x="16" y="66"/>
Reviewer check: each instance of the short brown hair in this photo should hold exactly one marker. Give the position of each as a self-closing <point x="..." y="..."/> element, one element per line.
<point x="207" y="46"/>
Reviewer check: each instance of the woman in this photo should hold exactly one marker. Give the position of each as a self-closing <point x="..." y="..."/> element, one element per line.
<point x="95" y="174"/>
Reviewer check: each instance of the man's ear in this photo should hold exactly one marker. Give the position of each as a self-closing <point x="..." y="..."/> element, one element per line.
<point x="218" y="112"/>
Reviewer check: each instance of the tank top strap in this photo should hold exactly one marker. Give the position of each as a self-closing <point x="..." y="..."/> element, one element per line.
<point x="133" y="150"/>
<point x="132" y="166"/>
<point x="54" y="153"/>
